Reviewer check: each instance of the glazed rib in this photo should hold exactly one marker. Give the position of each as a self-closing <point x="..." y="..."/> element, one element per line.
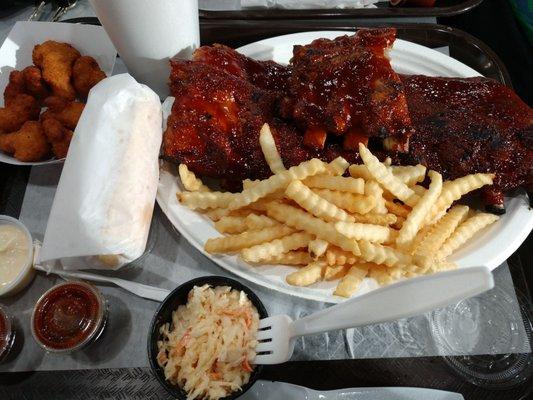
<point x="347" y="86"/>
<point x="215" y="121"/>
<point x="267" y="75"/>
<point x="471" y="125"/>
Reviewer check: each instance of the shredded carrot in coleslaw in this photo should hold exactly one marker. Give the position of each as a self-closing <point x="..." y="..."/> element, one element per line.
<point x="208" y="346"/>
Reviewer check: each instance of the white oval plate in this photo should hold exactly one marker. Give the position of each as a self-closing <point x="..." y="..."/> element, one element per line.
<point x="490" y="248"/>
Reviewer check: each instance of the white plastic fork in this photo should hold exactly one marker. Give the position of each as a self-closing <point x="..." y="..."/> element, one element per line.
<point x="404" y="299"/>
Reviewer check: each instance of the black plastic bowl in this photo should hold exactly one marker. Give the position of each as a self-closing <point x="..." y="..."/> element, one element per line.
<point x="164" y="314"/>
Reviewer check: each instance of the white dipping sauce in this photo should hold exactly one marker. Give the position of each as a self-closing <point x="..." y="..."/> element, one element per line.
<point x="14" y="248"/>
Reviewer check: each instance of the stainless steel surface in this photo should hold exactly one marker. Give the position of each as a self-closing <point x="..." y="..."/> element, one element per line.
<point x="63" y="8"/>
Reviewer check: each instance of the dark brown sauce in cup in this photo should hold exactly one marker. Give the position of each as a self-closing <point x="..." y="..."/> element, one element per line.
<point x="68" y="316"/>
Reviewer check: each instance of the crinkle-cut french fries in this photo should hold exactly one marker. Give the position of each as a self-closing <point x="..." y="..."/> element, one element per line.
<point x="189" y="180"/>
<point x="437" y="234"/>
<point x="256" y="221"/>
<point x="421" y="234"/>
<point x="351" y="281"/>
<point x="258" y="206"/>
<point x="393" y="234"/>
<point x="337" y="256"/>
<point x="386" y="178"/>
<point x="229" y="244"/>
<point x="454" y="190"/>
<point x="204" y="200"/>
<point x="360" y="171"/>
<point x="317" y="248"/>
<point x="277" y="182"/>
<point x="351" y="202"/>
<point x="419" y="190"/>
<point x="464" y="232"/>
<point x="399" y="222"/>
<point x="410" y="271"/>
<point x="307" y="275"/>
<point x="337" y="167"/>
<point x="267" y="250"/>
<point x="375" y="219"/>
<point x="299" y="219"/>
<point x="334" y="272"/>
<point x="248" y="183"/>
<point x="410" y="174"/>
<point x="443" y="266"/>
<point x="358" y="231"/>
<point x="400" y="210"/>
<point x="381" y="275"/>
<point x="315" y="204"/>
<point x="339" y="183"/>
<point x="295" y="258"/>
<point x="372" y="189"/>
<point x="416" y="217"/>
<point x="378" y="254"/>
<point x="217" y="213"/>
<point x="230" y="224"/>
<point x="270" y="151"/>
<point x="339" y="228"/>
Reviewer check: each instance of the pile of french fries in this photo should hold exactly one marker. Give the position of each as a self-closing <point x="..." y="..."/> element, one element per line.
<point x="379" y="222"/>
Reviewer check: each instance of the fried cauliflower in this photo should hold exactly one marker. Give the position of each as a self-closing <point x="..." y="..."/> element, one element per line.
<point x="85" y="74"/>
<point x="56" y="60"/>
<point x="27" y="144"/>
<point x="58" y="136"/>
<point x="20" y="108"/>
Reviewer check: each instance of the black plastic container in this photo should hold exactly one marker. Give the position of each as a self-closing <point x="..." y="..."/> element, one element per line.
<point x="164" y="314"/>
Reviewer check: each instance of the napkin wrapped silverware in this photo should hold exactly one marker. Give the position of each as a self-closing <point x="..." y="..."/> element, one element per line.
<point x="308" y="4"/>
<point x="103" y="206"/>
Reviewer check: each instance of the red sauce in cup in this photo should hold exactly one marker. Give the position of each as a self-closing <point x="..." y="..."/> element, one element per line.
<point x="68" y="316"/>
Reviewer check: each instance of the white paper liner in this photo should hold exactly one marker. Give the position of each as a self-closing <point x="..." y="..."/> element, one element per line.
<point x="16" y="53"/>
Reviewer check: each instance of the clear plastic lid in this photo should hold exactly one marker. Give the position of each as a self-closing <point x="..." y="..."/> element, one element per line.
<point x="7" y="334"/>
<point x="68" y="316"/>
<point x="21" y="278"/>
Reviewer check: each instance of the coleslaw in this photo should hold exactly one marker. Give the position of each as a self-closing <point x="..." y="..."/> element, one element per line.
<point x="209" y="345"/>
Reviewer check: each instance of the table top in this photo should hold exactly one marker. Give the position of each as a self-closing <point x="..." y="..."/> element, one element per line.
<point x="430" y="372"/>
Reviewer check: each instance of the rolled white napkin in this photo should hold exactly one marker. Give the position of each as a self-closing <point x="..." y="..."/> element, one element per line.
<point x="103" y="206"/>
<point x="308" y="4"/>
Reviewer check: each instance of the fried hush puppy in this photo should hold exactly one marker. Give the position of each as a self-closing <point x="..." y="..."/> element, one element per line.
<point x="34" y="83"/>
<point x="20" y="108"/>
<point x="58" y="136"/>
<point x="27" y="144"/>
<point x="28" y="81"/>
<point x="85" y="74"/>
<point x="14" y="87"/>
<point x="56" y="60"/>
<point x="68" y="113"/>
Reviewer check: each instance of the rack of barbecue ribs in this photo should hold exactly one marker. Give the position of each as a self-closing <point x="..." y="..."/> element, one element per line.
<point x="215" y="121"/>
<point x="346" y="86"/>
<point x="333" y="95"/>
<point x="471" y="125"/>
